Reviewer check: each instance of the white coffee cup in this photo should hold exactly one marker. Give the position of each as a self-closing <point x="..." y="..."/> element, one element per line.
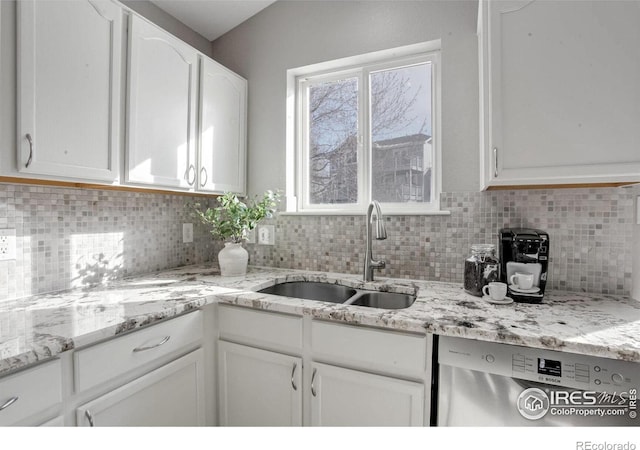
<point x="522" y="280"/>
<point x="495" y="290"/>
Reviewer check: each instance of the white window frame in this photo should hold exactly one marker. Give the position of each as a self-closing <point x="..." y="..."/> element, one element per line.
<point x="297" y="128"/>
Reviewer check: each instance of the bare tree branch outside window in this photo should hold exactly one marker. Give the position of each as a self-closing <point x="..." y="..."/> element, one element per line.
<point x="400" y="118"/>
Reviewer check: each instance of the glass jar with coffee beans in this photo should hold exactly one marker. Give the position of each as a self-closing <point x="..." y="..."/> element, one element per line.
<point x="481" y="268"/>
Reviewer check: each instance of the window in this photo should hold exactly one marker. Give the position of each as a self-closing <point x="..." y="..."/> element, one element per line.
<point x="366" y="129"/>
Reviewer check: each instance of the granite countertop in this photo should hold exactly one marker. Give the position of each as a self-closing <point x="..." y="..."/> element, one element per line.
<point x="39" y="327"/>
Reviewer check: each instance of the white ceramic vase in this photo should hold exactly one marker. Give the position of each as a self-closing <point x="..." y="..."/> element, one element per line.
<point x="233" y="260"/>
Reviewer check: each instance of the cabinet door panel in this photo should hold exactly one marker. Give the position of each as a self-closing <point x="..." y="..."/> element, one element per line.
<point x="29" y="392"/>
<point x="161" y="106"/>
<point x="172" y="395"/>
<point x="561" y="91"/>
<point x="257" y="387"/>
<point x="346" y="397"/>
<point x="55" y="422"/>
<point x="69" y="88"/>
<point x="222" y="129"/>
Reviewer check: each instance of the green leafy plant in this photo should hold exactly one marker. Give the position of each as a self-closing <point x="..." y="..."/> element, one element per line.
<point x="233" y="219"/>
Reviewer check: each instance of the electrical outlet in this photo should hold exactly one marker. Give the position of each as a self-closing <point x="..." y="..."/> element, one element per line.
<point x="7" y="245"/>
<point x="187" y="233"/>
<point x="251" y="236"/>
<point x="266" y="235"/>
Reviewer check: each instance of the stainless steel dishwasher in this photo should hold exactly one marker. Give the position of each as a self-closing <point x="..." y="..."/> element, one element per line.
<point x="488" y="384"/>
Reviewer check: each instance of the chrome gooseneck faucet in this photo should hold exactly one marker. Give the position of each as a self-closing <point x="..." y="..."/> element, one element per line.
<point x="381" y="233"/>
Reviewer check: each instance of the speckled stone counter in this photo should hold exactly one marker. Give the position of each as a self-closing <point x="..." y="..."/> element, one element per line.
<point x="39" y="327"/>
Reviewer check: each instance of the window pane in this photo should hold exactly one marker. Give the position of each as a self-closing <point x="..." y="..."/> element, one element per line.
<point x="401" y="134"/>
<point x="333" y="137"/>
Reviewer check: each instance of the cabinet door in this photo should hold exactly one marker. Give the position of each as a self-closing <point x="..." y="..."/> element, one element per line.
<point x="172" y="395"/>
<point x="69" y="88"/>
<point x="222" y="129"/>
<point x="258" y="387"/>
<point x="343" y="397"/>
<point x="161" y="108"/>
<point x="55" y="422"/>
<point x="25" y="394"/>
<point x="559" y="92"/>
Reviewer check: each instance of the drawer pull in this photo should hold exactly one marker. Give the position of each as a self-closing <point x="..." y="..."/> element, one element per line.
<point x="149" y="347"/>
<point x="293" y="373"/>
<point x="8" y="403"/>
<point x="89" y="417"/>
<point x="313" y="377"/>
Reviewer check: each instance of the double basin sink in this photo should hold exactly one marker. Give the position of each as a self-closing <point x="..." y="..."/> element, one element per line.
<point x="335" y="293"/>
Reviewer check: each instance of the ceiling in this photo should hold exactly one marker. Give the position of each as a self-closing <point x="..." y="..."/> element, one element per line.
<point x="212" y="18"/>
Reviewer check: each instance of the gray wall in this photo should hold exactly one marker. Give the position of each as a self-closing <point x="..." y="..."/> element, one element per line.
<point x="291" y="34"/>
<point x="170" y="24"/>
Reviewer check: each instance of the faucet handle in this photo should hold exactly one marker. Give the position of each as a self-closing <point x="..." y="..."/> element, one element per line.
<point x="379" y="264"/>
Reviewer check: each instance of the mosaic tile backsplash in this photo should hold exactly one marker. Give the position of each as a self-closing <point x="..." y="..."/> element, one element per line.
<point x="69" y="237"/>
<point x="590" y="232"/>
<point x="73" y="237"/>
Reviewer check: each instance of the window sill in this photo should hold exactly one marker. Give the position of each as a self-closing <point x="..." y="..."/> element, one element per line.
<point x="385" y="213"/>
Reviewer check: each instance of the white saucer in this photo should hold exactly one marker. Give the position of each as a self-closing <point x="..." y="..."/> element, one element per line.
<point x="504" y="301"/>
<point x="534" y="290"/>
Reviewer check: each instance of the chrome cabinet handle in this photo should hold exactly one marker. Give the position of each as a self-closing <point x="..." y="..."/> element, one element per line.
<point x="191" y="169"/>
<point x="206" y="177"/>
<point x="495" y="162"/>
<point x="89" y="417"/>
<point x="313" y="377"/>
<point x="293" y="372"/>
<point x="8" y="403"/>
<point x="30" y="139"/>
<point x="149" y="347"/>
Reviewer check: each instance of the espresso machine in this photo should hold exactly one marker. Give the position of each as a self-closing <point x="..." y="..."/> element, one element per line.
<point x="524" y="251"/>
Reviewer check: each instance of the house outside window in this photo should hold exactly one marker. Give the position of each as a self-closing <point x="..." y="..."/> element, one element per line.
<point x="367" y="128"/>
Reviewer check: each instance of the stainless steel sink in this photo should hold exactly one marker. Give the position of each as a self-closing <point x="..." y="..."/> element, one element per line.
<point x="312" y="290"/>
<point x="383" y="300"/>
<point x="335" y="293"/>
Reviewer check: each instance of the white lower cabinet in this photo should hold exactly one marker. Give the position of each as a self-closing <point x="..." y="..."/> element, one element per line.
<point x="288" y="370"/>
<point x="55" y="422"/>
<point x="344" y="397"/>
<point x="172" y="395"/>
<point x="258" y="387"/>
<point x="29" y="393"/>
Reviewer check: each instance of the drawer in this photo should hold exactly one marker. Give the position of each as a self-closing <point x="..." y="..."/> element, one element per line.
<point x="102" y="362"/>
<point x="271" y="331"/>
<point x="34" y="390"/>
<point x="369" y="349"/>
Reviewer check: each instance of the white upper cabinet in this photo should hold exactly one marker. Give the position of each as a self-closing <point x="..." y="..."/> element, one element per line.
<point x="69" y="56"/>
<point x="223" y="112"/>
<point x="162" y="100"/>
<point x="560" y="97"/>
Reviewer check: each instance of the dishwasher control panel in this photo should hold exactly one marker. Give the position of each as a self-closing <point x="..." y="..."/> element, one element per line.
<point x="540" y="365"/>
